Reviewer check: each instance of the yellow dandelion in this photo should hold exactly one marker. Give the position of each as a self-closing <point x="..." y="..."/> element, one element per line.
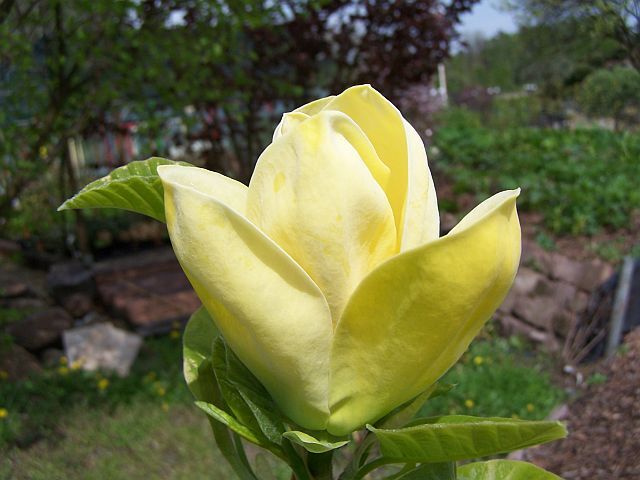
<point x="478" y="360"/>
<point x="3" y="413"/>
<point x="63" y="360"/>
<point x="43" y="151"/>
<point x="530" y="407"/>
<point x="4" y="374"/>
<point x="63" y="370"/>
<point x="161" y="391"/>
<point x="175" y="334"/>
<point x="76" y="364"/>
<point x="165" y="407"/>
<point x="469" y="403"/>
<point x="103" y="384"/>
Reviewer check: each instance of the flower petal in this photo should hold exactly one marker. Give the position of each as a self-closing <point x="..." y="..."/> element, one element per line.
<point x="314" y="194"/>
<point x="412" y="317"/>
<point x="421" y="218"/>
<point x="268" y="309"/>
<point x="383" y="124"/>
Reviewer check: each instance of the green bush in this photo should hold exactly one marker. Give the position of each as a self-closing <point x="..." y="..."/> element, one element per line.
<point x="581" y="181"/>
<point x="498" y="377"/>
<point x="609" y="93"/>
<point x="515" y="111"/>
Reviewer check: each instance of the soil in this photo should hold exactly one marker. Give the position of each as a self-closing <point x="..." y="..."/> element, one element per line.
<point x="604" y="425"/>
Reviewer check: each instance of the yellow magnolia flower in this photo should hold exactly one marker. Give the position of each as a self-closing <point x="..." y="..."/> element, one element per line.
<point x="327" y="276"/>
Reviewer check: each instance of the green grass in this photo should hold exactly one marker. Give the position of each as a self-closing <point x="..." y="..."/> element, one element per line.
<point x="63" y="425"/>
<point x="500" y="378"/>
<point x="581" y="181"/>
<point x="134" y="441"/>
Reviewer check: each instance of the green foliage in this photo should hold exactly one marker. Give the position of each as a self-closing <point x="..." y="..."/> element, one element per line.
<point x="239" y="406"/>
<point x="581" y="181"/>
<point x="608" y="93"/>
<point x="135" y="187"/>
<point x="519" y="110"/>
<point x="498" y="377"/>
<point x="552" y="56"/>
<point x="313" y="444"/>
<point x="461" y="437"/>
<point x="503" y="470"/>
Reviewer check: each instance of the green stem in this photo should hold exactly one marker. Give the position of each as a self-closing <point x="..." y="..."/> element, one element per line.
<point x="296" y="463"/>
<point x="369" y="467"/>
<point x="320" y="465"/>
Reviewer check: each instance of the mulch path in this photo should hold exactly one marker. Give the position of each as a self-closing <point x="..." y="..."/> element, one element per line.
<point x="604" y="425"/>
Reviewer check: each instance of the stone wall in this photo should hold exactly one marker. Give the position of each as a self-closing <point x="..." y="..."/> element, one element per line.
<point x="549" y="294"/>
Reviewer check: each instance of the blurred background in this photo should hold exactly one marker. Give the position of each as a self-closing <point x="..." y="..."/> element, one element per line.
<point x="541" y="94"/>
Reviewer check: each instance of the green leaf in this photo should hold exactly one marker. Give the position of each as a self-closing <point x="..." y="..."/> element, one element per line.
<point x="458" y="437"/>
<point x="503" y="470"/>
<point x="135" y="186"/>
<point x="312" y="444"/>
<point x="197" y="343"/>
<point x="228" y="420"/>
<point x="247" y="397"/>
<point x="405" y="413"/>
<point x="430" y="471"/>
<point x="198" y="372"/>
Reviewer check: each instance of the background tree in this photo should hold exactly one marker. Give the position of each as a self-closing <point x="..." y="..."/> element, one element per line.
<point x="224" y="71"/>
<point x="611" y="93"/>
<point x="617" y="20"/>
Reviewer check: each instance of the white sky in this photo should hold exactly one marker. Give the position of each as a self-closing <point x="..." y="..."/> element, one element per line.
<point x="486" y="18"/>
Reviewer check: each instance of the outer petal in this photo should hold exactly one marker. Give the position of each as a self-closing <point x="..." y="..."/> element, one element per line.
<point x="268" y="309"/>
<point x="413" y="316"/>
<point x="421" y="218"/>
<point x="314" y="192"/>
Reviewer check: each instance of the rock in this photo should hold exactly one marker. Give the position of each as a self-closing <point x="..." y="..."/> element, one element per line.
<point x="580" y="302"/>
<point x="25" y="303"/>
<point x="526" y="283"/>
<point x="586" y="276"/>
<point x="534" y="257"/>
<point x="102" y="346"/>
<point x="594" y="274"/>
<point x="12" y="290"/>
<point x="559" y="413"/>
<point x="40" y="329"/>
<point x="149" y="290"/>
<point x="512" y="326"/>
<point x="562" y="322"/>
<point x="66" y="279"/>
<point x="51" y="357"/>
<point x="564" y="268"/>
<point x="150" y="315"/>
<point x="18" y="363"/>
<point x="538" y="311"/>
<point x="78" y="304"/>
<point x="8" y="247"/>
<point x="564" y="294"/>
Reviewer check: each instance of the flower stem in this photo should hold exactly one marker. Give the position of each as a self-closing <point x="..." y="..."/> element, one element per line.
<point x="320" y="465"/>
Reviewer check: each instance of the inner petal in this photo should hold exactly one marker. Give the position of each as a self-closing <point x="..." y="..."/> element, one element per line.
<point x="314" y="193"/>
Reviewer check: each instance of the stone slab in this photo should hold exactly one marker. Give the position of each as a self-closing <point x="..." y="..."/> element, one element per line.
<point x="102" y="347"/>
<point x="41" y="328"/>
